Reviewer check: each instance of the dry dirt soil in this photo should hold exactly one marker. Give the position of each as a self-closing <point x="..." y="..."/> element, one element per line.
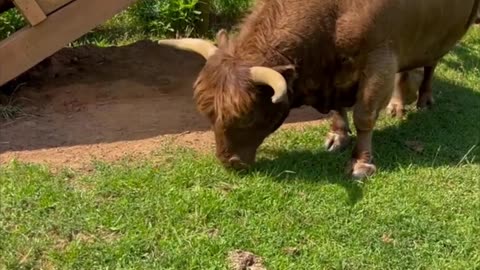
<point x="89" y="103"/>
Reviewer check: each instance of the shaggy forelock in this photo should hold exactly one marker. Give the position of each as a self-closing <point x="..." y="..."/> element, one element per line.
<point x="223" y="90"/>
<point x="224" y="93"/>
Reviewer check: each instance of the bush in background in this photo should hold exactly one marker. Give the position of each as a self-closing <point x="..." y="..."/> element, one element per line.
<point x="160" y="18"/>
<point x="181" y="17"/>
<point x="150" y="19"/>
<point x="10" y="21"/>
<point x="231" y="9"/>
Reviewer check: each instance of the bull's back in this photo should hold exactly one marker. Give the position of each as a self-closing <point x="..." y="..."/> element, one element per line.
<point x="430" y="29"/>
<point x="420" y="31"/>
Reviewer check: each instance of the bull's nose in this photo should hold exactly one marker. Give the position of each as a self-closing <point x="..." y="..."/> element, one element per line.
<point x="236" y="163"/>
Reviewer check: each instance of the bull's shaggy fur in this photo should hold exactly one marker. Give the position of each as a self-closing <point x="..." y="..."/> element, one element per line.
<point x="267" y="38"/>
<point x="227" y="102"/>
<point x="332" y="55"/>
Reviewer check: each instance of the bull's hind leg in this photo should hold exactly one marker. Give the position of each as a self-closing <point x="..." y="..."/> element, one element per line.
<point x="425" y="93"/>
<point x="407" y="85"/>
<point x="375" y="91"/>
<point x="396" y="107"/>
<point x="338" y="138"/>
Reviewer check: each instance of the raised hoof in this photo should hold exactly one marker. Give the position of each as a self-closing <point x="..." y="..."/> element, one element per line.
<point x="361" y="170"/>
<point x="336" y="142"/>
<point x="395" y="110"/>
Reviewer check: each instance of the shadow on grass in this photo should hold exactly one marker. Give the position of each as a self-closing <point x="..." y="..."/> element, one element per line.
<point x="311" y="166"/>
<point x="448" y="135"/>
<point x="449" y="132"/>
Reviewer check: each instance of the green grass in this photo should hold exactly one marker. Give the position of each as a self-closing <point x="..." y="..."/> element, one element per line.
<point x="9" y="112"/>
<point x="183" y="211"/>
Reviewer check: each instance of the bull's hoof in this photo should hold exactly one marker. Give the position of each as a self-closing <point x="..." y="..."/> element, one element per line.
<point x="360" y="170"/>
<point x="336" y="141"/>
<point x="425" y="102"/>
<point x="395" y="110"/>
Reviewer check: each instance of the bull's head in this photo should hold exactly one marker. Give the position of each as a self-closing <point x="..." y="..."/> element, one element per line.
<point x="243" y="103"/>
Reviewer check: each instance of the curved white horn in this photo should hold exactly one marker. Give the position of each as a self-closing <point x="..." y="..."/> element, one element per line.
<point x="272" y="78"/>
<point x="201" y="46"/>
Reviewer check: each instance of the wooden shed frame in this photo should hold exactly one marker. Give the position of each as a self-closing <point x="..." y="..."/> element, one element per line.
<point x="52" y="25"/>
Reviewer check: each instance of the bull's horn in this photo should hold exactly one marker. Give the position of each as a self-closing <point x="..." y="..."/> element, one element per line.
<point x="273" y="79"/>
<point x="200" y="46"/>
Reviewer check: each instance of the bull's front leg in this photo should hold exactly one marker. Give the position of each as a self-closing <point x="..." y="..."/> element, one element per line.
<point x="338" y="138"/>
<point x="375" y="91"/>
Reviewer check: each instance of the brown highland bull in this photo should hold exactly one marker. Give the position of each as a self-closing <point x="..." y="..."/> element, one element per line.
<point x="328" y="54"/>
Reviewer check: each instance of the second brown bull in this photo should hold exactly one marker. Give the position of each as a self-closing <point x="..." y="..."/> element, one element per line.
<point x="411" y="86"/>
<point x="328" y="54"/>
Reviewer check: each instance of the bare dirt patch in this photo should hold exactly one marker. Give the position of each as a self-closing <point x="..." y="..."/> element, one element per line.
<point x="90" y="103"/>
<point x="244" y="260"/>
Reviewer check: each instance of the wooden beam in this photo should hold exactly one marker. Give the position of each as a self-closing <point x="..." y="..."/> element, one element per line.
<point x="49" y="6"/>
<point x="31" y="45"/>
<point x="31" y="11"/>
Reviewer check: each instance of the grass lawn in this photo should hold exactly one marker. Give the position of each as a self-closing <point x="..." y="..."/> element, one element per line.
<point x="295" y="209"/>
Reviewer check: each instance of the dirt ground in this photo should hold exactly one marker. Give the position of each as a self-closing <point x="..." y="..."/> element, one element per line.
<point x="90" y="103"/>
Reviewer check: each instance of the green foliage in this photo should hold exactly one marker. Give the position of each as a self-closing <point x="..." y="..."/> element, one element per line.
<point x="231" y="9"/>
<point x="146" y="19"/>
<point x="149" y="19"/>
<point x="157" y="18"/>
<point x="10" y="22"/>
<point x="152" y="19"/>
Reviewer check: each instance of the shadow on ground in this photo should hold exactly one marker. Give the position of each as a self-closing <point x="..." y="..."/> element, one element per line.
<point x="91" y="95"/>
<point x="446" y="135"/>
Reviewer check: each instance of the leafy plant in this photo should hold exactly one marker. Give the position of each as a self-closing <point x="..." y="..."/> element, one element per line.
<point x="231" y="9"/>
<point x="10" y="21"/>
<point x="158" y="18"/>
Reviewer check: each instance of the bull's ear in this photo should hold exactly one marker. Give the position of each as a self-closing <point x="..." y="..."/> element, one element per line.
<point x="289" y="72"/>
<point x="222" y="38"/>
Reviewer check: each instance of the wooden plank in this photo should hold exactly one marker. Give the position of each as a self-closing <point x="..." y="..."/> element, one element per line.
<point x="31" y="45"/>
<point x="49" y="6"/>
<point x="31" y="11"/>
